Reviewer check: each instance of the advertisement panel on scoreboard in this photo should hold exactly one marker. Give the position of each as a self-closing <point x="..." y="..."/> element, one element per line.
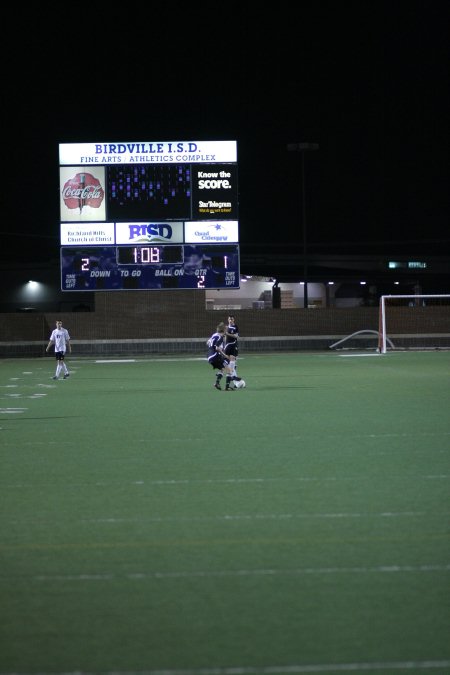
<point x="121" y="204"/>
<point x="148" y="152"/>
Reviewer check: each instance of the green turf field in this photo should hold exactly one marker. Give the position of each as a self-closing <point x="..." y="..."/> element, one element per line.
<point x="151" y="524"/>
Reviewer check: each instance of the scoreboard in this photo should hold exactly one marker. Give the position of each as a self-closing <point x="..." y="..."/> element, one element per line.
<point x="149" y="216"/>
<point x="109" y="268"/>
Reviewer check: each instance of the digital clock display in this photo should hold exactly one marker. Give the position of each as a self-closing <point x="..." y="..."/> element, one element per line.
<point x="149" y="255"/>
<point x="109" y="268"/>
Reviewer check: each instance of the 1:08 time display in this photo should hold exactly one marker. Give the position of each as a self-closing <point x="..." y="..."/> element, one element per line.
<point x="149" y="255"/>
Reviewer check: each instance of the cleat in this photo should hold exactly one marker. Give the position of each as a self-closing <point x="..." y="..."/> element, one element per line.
<point x="54" y="377"/>
<point x="66" y="376"/>
<point x="217" y="386"/>
<point x="229" y="388"/>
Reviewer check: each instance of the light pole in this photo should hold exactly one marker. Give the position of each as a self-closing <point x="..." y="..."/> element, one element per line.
<point x="302" y="148"/>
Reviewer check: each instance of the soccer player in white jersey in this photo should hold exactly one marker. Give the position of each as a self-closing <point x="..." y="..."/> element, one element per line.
<point x="60" y="338"/>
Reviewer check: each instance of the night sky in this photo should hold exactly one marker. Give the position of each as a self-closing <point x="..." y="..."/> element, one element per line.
<point x="368" y="82"/>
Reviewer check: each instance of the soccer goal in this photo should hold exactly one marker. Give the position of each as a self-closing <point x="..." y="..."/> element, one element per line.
<point x="414" y="322"/>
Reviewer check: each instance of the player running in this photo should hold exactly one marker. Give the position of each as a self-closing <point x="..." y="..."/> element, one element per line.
<point x="217" y="358"/>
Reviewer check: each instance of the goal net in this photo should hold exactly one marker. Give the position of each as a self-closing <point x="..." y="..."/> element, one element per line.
<point x="414" y="322"/>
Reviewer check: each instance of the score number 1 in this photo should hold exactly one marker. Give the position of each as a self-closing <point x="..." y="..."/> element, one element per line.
<point x="201" y="277"/>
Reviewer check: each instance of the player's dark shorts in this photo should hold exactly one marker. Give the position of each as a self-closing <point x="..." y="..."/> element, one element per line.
<point x="231" y="349"/>
<point x="218" y="361"/>
<point x="59" y="356"/>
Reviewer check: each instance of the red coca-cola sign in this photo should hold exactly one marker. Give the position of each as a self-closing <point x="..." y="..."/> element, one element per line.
<point x="83" y="190"/>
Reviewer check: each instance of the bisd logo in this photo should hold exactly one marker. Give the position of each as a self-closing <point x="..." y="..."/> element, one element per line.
<point x="145" y="232"/>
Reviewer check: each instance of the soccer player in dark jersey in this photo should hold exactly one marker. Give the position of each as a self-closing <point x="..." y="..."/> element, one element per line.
<point x="231" y="346"/>
<point x="217" y="357"/>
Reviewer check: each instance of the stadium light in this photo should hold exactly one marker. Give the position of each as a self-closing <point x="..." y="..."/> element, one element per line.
<point x="302" y="148"/>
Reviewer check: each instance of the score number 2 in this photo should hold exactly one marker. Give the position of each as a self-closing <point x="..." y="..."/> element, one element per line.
<point x="85" y="264"/>
<point x="201" y="278"/>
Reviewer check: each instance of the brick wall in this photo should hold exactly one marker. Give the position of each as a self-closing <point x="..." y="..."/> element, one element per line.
<point x="181" y="315"/>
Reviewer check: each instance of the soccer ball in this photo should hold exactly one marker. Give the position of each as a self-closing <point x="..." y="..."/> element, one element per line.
<point x="239" y="384"/>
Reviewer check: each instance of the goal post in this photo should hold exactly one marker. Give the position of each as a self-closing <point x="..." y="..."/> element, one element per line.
<point x="414" y="322"/>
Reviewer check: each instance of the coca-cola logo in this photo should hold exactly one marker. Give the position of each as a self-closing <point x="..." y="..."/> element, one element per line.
<point x="83" y="190"/>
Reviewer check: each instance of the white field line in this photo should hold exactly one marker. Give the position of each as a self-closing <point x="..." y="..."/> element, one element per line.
<point x="295" y="437"/>
<point x="366" y="667"/>
<point x="116" y="361"/>
<point x="244" y="517"/>
<point x="346" y="356"/>
<point x="203" y="574"/>
<point x="150" y="360"/>
<point x="268" y="516"/>
<point x="214" y="481"/>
